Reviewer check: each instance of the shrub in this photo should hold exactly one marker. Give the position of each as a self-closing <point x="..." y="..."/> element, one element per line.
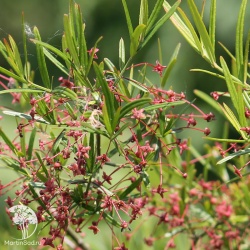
<point x="101" y="145"/>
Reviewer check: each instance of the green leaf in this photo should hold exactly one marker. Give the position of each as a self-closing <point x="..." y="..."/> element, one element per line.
<point x="8" y="142"/>
<point x="106" y="117"/>
<point x="16" y="55"/>
<point x="143" y="16"/>
<point x="192" y="31"/>
<point x="25" y="116"/>
<point x="53" y="49"/>
<point x="239" y="40"/>
<point x="122" y="59"/>
<point x="57" y="142"/>
<point x="70" y="38"/>
<point x="110" y="65"/>
<point x="163" y="105"/>
<point x="65" y="93"/>
<point x="202" y="32"/>
<point x="233" y="120"/>
<point x="136" y="84"/>
<point x="38" y="199"/>
<point x="42" y="164"/>
<point x="70" y="110"/>
<point x="157" y="26"/>
<point x="109" y="96"/>
<point x="83" y="54"/>
<point x="13" y="75"/>
<point x="145" y="178"/>
<point x="14" y="165"/>
<point x="170" y="66"/>
<point x="154" y="14"/>
<point x="212" y="23"/>
<point x="135" y="39"/>
<point x="128" y="19"/>
<point x="180" y="25"/>
<point x="111" y="220"/>
<point x="31" y="144"/>
<point x="6" y="91"/>
<point x="230" y="84"/>
<point x="130" y="188"/>
<point x="236" y="154"/>
<point x="25" y="52"/>
<point x="246" y="58"/>
<point x="208" y="99"/>
<point x="134" y="104"/>
<point x="41" y="60"/>
<point x="235" y="94"/>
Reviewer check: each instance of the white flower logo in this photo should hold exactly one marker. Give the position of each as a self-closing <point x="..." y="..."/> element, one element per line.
<point x="23" y="217"/>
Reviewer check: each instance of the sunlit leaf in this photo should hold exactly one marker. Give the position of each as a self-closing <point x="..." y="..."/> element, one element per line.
<point x="239" y="40"/>
<point x="170" y="66"/>
<point x="121" y="53"/>
<point x="41" y="61"/>
<point x="134" y="104"/>
<point x="235" y="154"/>
<point x="128" y="18"/>
<point x="135" y="39"/>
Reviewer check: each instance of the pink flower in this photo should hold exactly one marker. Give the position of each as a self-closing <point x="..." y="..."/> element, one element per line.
<point x="224" y="210"/>
<point x="159" y="68"/>
<point x="138" y="114"/>
<point x="91" y="51"/>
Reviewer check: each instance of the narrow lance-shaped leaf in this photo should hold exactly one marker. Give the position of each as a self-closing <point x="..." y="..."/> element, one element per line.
<point x="41" y="60"/>
<point x="192" y="31"/>
<point x="25" y="52"/>
<point x="170" y="66"/>
<point x="130" y="188"/>
<point x="230" y="84"/>
<point x="212" y="23"/>
<point x="143" y="16"/>
<point x="8" y="142"/>
<point x="157" y="26"/>
<point x="208" y="99"/>
<point x="154" y="15"/>
<point x="239" y="40"/>
<point x="122" y="58"/>
<point x="134" y="104"/>
<point x="106" y="117"/>
<point x="128" y="18"/>
<point x="52" y="48"/>
<point x="233" y="120"/>
<point x="246" y="57"/>
<point x="135" y="39"/>
<point x="180" y="25"/>
<point x="17" y="57"/>
<point x="236" y="154"/>
<point x="109" y="97"/>
<point x="31" y="144"/>
<point x="69" y="35"/>
<point x="83" y="54"/>
<point x="202" y="32"/>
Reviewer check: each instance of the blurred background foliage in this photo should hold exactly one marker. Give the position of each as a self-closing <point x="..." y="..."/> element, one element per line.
<point x="106" y="18"/>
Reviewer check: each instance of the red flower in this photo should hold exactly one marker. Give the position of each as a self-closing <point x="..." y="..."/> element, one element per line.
<point x="138" y="114"/>
<point x="94" y="227"/>
<point x="91" y="51"/>
<point x="224" y="210"/>
<point x="159" y="68"/>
